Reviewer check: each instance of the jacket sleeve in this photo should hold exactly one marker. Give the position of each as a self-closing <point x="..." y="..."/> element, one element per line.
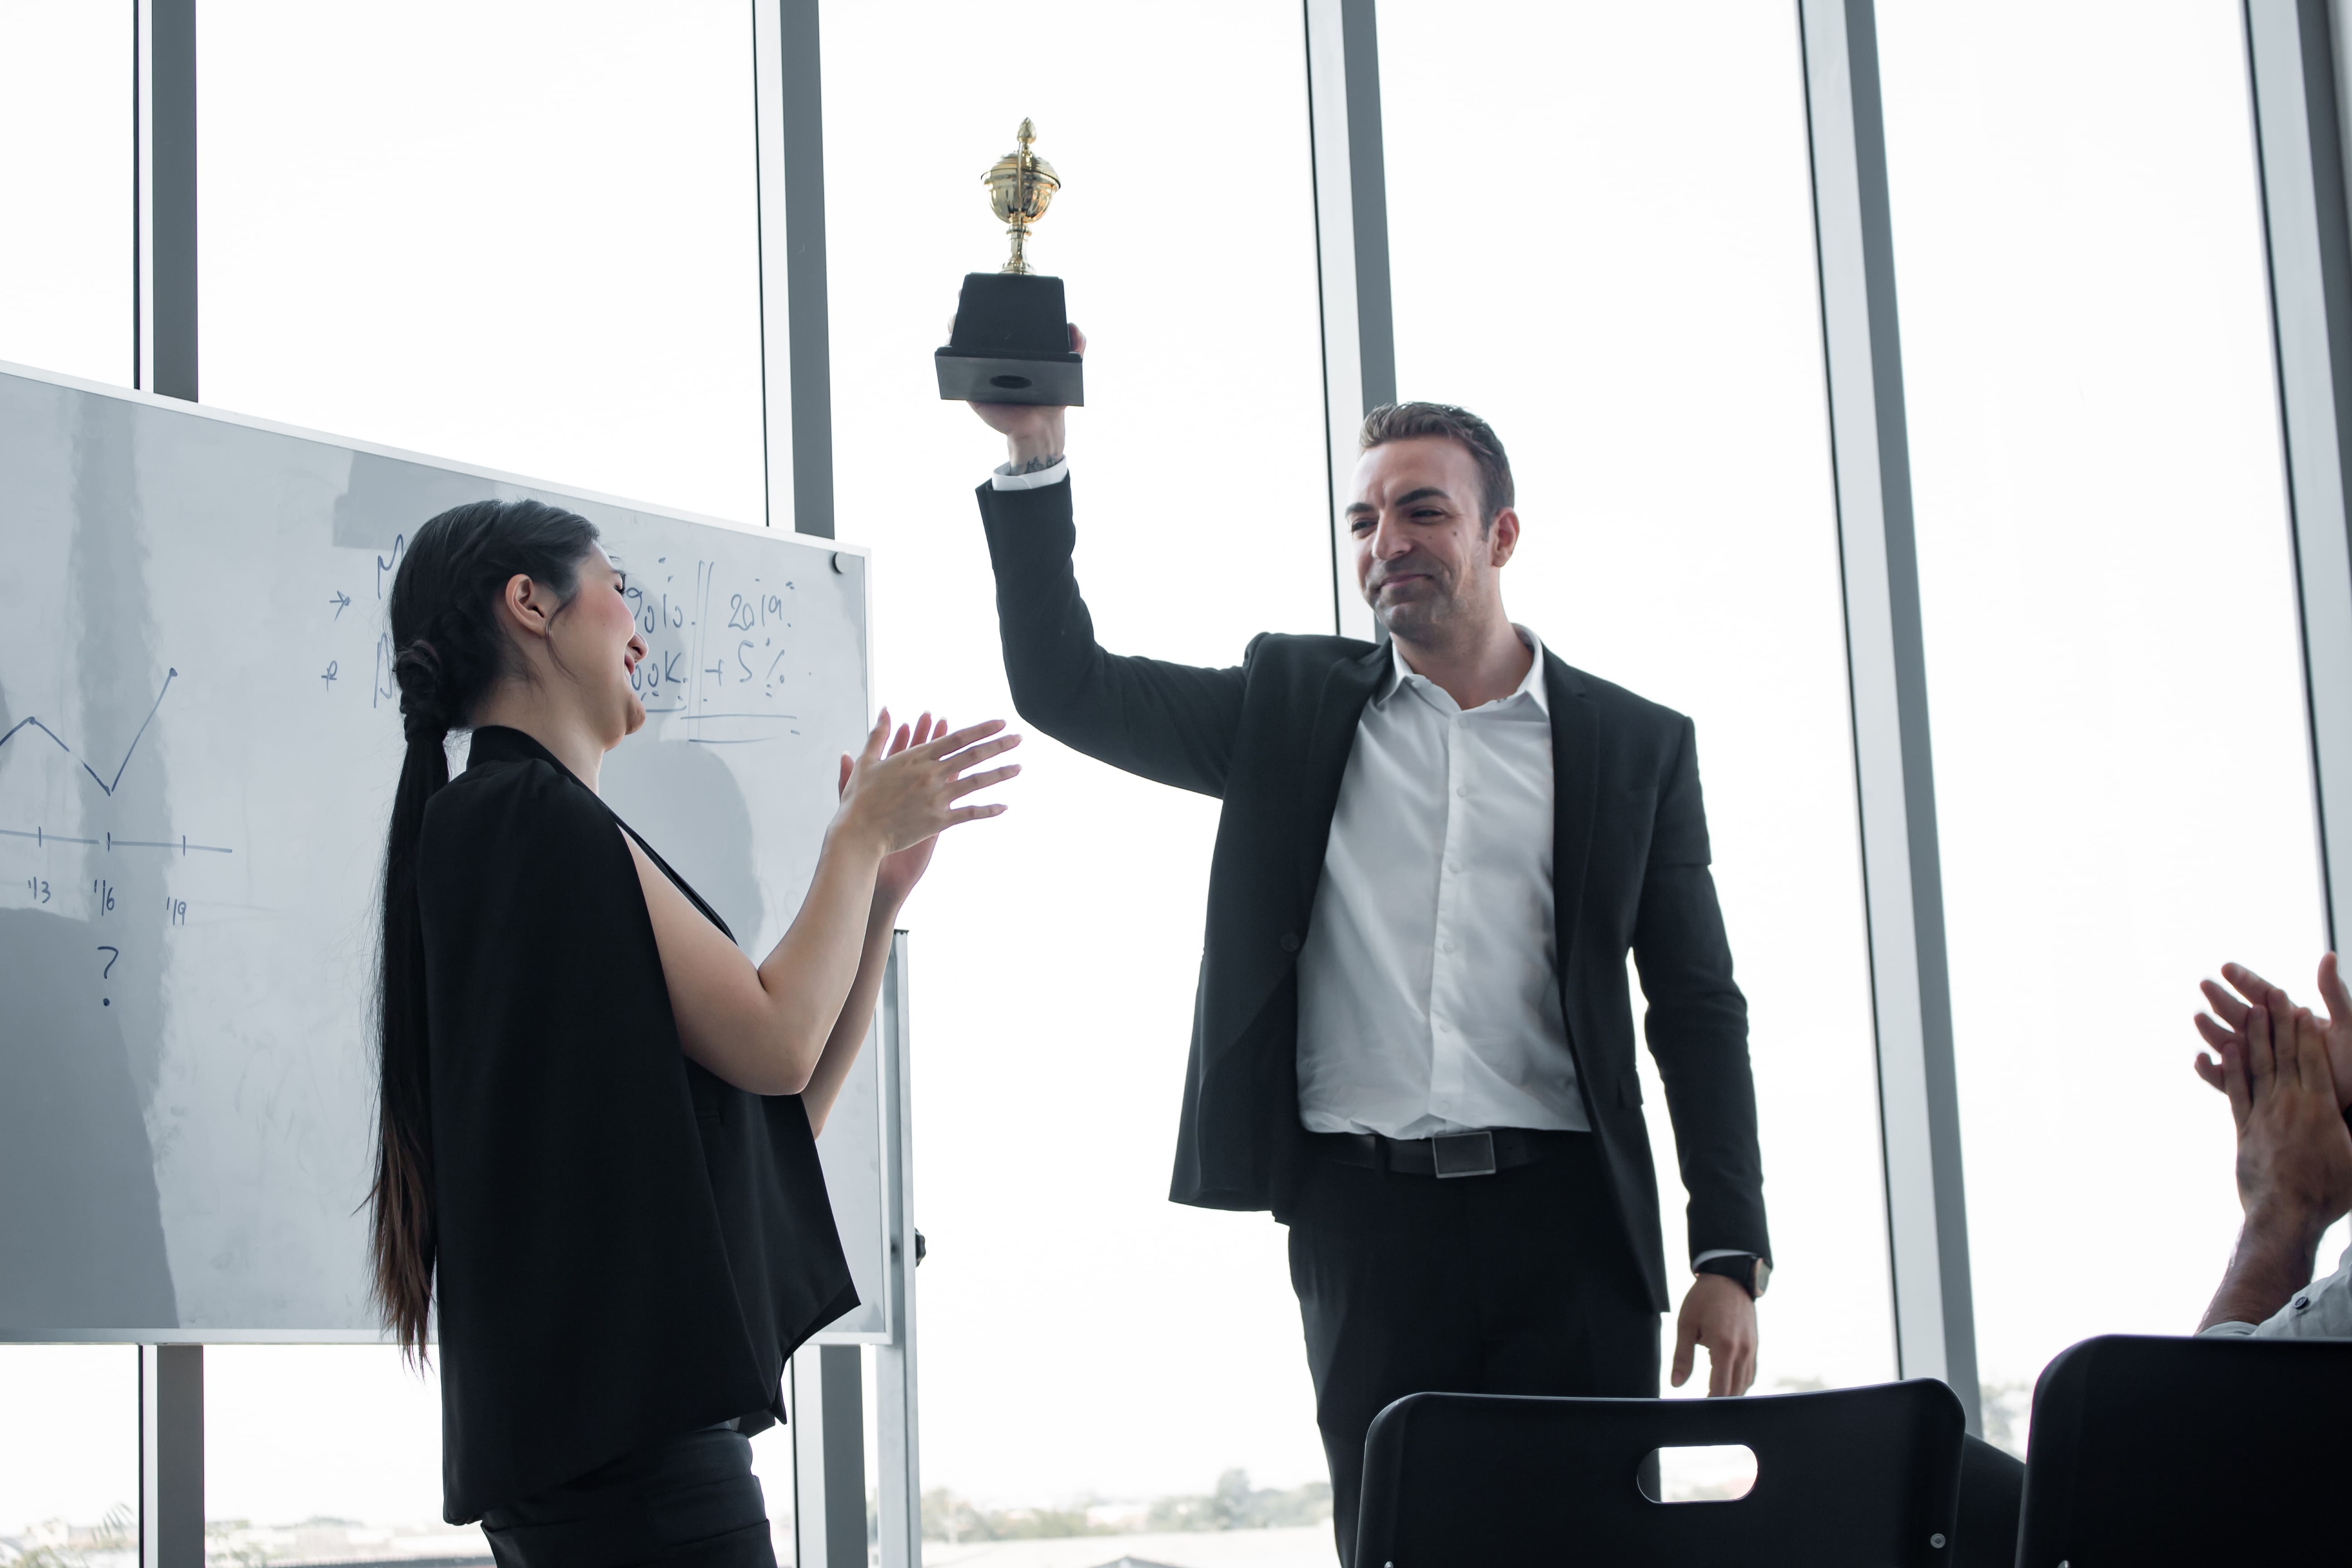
<point x="1697" y="1022"/>
<point x="1173" y="723"/>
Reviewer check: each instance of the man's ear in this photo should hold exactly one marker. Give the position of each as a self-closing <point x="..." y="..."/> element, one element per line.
<point x="524" y="608"/>
<point x="1503" y="538"/>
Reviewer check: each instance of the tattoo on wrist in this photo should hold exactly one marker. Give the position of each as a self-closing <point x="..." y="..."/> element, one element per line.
<point x="1036" y="465"/>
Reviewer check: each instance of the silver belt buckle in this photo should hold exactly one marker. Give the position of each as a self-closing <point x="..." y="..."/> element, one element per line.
<point x="1463" y="1154"/>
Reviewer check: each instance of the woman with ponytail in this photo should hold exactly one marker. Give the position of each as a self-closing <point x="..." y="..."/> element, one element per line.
<point x="596" y="1172"/>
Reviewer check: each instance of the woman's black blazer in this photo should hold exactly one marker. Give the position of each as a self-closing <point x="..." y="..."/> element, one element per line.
<point x="628" y="1248"/>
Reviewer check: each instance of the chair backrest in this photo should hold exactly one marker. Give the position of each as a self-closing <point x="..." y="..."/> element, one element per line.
<point x="1860" y="1477"/>
<point x="2182" y="1450"/>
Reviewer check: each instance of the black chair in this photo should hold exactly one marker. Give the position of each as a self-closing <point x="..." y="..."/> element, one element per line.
<point x="2175" y="1450"/>
<point x="1860" y="1477"/>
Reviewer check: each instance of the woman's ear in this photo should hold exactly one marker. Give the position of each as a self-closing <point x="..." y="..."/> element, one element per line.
<point x="525" y="607"/>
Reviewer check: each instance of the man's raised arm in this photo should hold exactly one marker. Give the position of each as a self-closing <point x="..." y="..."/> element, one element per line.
<point x="1173" y="723"/>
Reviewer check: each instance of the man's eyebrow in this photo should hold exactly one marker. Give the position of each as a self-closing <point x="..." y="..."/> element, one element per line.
<point x="1426" y="493"/>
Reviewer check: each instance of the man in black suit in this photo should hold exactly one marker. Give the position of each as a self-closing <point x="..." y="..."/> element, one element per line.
<point x="1413" y="1041"/>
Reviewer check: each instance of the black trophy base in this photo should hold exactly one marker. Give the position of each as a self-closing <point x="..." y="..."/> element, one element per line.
<point x="1011" y="343"/>
<point x="1052" y="379"/>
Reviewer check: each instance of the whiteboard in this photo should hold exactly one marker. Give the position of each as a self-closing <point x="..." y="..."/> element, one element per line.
<point x="199" y="739"/>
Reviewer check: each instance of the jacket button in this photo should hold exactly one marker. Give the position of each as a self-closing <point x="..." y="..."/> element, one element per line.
<point x="1290" y="941"/>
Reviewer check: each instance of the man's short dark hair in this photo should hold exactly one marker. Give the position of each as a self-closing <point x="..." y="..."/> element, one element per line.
<point x="1402" y="421"/>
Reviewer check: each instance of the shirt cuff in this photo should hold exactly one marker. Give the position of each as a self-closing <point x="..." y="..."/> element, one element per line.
<point x="1719" y="1252"/>
<point x="1006" y="480"/>
<point x="2227" y="1331"/>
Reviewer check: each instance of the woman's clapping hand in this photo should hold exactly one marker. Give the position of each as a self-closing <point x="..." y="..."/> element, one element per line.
<point x="900" y="793"/>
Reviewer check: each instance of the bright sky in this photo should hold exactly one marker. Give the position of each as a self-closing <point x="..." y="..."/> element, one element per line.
<point x="522" y="234"/>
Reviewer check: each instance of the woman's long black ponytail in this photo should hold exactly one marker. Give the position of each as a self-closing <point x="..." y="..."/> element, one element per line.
<point x="447" y="652"/>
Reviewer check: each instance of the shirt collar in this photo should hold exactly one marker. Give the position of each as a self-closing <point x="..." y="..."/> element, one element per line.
<point x="1530" y="686"/>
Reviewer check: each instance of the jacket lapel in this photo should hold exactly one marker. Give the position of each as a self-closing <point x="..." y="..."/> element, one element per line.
<point x="1331" y="737"/>
<point x="1575" y="773"/>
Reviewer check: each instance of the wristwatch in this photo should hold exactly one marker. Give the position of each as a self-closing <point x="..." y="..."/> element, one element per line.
<point x="1753" y="1273"/>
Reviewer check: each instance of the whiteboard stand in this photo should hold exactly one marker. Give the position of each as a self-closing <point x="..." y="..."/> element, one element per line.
<point x="170" y="1456"/>
<point x="827" y="1403"/>
<point x="899" y="1455"/>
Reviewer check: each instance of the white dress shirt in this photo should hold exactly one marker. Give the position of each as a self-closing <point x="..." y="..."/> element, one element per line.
<point x="1428" y="988"/>
<point x="2320" y="1310"/>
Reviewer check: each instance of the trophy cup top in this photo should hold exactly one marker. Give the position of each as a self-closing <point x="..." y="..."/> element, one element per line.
<point x="1010" y="341"/>
<point x="1021" y="186"/>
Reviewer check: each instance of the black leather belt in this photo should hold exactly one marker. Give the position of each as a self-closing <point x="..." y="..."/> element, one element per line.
<point x="1456" y="1154"/>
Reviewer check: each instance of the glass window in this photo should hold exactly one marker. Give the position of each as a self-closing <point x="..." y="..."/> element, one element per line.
<point x="69" y="1449"/>
<point x="322" y="1452"/>
<point x="66" y="192"/>
<point x="1600" y="226"/>
<point x="70" y="1442"/>
<point x="1080" y="1332"/>
<point x="521" y="235"/>
<point x="2109" y="607"/>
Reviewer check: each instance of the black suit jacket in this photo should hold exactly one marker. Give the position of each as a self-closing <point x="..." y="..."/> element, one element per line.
<point x="1271" y="740"/>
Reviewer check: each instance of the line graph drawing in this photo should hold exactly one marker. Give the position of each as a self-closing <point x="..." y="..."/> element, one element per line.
<point x="105" y="784"/>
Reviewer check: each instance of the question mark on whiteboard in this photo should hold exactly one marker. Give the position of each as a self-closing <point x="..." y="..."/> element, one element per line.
<point x="108" y="1001"/>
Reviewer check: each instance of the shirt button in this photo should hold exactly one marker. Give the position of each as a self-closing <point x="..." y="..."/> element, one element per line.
<point x="1463" y="790"/>
<point x="1290" y="941"/>
<point x="1446" y="947"/>
<point x="1454" y="865"/>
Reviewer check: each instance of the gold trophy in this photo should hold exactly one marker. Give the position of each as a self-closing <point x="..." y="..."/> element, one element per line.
<point x="1011" y="342"/>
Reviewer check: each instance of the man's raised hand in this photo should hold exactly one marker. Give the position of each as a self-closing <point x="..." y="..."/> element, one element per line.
<point x="1036" y="434"/>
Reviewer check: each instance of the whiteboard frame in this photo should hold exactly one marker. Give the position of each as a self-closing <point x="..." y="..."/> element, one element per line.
<point x="451" y="464"/>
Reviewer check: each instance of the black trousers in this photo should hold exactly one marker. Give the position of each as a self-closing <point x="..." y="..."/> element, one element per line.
<point x="691" y="1502"/>
<point x="1514" y="1283"/>
<point x="1519" y="1282"/>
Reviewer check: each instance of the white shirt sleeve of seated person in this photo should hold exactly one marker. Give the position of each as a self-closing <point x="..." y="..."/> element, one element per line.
<point x="2320" y="1310"/>
<point x="1006" y="480"/>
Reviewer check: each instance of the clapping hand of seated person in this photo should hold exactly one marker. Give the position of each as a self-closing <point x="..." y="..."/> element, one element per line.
<point x="2294" y="1150"/>
<point x="2256" y="990"/>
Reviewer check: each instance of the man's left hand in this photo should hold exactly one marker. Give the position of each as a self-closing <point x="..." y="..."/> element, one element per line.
<point x="1720" y="1314"/>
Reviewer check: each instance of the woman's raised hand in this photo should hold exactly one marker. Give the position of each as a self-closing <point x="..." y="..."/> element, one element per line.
<point x="901" y="790"/>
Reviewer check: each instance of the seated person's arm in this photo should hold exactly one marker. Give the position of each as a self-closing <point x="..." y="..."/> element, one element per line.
<point x="2294" y="1155"/>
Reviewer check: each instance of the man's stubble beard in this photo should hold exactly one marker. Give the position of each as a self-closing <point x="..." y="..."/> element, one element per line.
<point x="1422" y="620"/>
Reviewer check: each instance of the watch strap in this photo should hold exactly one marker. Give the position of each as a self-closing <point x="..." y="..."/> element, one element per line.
<point x="1746" y="1269"/>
